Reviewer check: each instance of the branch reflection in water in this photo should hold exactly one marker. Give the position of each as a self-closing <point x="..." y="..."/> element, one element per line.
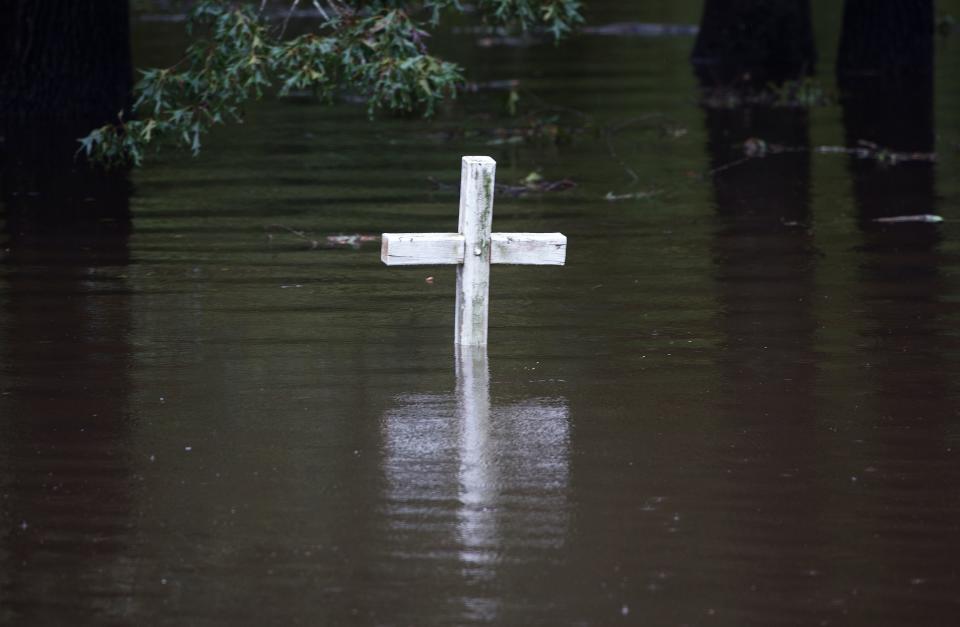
<point x="489" y="478"/>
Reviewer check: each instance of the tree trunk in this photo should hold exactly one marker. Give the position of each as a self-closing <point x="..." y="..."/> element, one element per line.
<point x="888" y="39"/>
<point x="753" y="42"/>
<point x="64" y="60"/>
<point x="65" y="69"/>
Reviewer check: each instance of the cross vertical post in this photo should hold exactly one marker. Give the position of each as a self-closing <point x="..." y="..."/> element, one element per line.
<point x="473" y="275"/>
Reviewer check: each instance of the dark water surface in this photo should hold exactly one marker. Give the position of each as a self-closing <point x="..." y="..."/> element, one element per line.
<point x="738" y="404"/>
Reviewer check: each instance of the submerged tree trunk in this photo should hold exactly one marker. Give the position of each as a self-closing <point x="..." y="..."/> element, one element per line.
<point x="753" y="42"/>
<point x="65" y="68"/>
<point x="64" y="60"/>
<point x="888" y="39"/>
<point x="885" y="74"/>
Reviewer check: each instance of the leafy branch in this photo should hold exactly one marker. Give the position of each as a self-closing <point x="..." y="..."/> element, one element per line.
<point x="377" y="48"/>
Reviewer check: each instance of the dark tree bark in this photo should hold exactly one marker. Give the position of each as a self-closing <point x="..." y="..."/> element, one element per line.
<point x="888" y="39"/>
<point x="64" y="60"/>
<point x="753" y="42"/>
<point x="65" y="68"/>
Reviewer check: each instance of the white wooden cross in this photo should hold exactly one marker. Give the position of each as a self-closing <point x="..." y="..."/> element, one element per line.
<point x="473" y="249"/>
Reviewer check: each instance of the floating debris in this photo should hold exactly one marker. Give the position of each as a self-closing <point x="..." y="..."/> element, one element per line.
<point x="803" y="93"/>
<point x="757" y="148"/>
<point x="799" y="94"/>
<point x="510" y="41"/>
<point x="611" y="197"/>
<point x="641" y="29"/>
<point x="533" y="183"/>
<point x="497" y="85"/>
<point x="351" y="241"/>
<point x="869" y="150"/>
<point x="927" y="218"/>
<point x="507" y="141"/>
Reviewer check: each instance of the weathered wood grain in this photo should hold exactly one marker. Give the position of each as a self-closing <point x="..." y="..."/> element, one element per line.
<point x="421" y="249"/>
<point x="539" y="249"/>
<point x="473" y="275"/>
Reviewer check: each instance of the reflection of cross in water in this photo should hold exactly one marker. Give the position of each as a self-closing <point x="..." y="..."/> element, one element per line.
<point x="478" y="471"/>
<point x="505" y="468"/>
<point x="512" y="472"/>
<point x="473" y="249"/>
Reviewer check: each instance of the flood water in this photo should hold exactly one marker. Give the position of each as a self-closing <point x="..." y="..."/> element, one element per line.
<point x="737" y="404"/>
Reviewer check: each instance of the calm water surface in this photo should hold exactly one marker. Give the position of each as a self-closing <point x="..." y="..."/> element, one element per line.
<point x="736" y="405"/>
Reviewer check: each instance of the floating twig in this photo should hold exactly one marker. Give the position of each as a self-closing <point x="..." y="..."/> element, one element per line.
<point x="927" y="218"/>
<point x="611" y="197"/>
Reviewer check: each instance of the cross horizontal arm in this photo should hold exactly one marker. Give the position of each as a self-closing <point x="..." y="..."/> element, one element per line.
<point x="421" y="249"/>
<point x="539" y="249"/>
<point x="432" y="249"/>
